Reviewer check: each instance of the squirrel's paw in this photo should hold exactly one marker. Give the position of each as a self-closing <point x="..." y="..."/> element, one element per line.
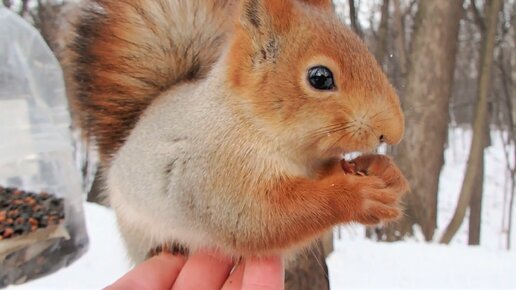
<point x="378" y="184"/>
<point x="379" y="202"/>
<point x="382" y="166"/>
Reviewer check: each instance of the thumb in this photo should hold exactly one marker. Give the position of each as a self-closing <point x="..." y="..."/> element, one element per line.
<point x="158" y="272"/>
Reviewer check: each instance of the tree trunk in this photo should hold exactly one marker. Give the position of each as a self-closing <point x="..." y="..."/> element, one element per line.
<point x="355" y="24"/>
<point x="308" y="271"/>
<point x="476" y="153"/>
<point x="506" y="64"/>
<point x="399" y="45"/>
<point x="383" y="32"/>
<point x="327" y="242"/>
<point x="511" y="204"/>
<point x="475" y="208"/>
<point x="425" y="102"/>
<point x="97" y="187"/>
<point x="475" y="205"/>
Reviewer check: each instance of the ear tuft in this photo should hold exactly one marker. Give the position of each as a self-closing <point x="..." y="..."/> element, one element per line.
<point x="261" y="25"/>
<point x="252" y="14"/>
<point x="263" y="15"/>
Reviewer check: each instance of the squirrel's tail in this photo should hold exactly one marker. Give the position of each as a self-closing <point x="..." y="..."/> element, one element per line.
<point x="126" y="52"/>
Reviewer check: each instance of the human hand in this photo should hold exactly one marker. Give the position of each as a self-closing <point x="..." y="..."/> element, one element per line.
<point x="203" y="271"/>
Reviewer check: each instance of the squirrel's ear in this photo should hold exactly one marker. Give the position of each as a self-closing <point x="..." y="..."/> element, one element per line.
<point x="263" y="17"/>
<point x="263" y="21"/>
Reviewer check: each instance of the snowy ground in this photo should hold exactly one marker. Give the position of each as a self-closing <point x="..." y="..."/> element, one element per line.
<point x="410" y="265"/>
<point x="356" y="262"/>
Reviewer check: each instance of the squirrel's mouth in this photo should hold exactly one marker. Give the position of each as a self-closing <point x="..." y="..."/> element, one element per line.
<point x="352" y="147"/>
<point x="373" y="146"/>
<point x="351" y="155"/>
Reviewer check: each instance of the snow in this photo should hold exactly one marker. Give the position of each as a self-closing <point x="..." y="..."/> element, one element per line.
<point x="358" y="263"/>
<point x="496" y="181"/>
<point x="410" y="265"/>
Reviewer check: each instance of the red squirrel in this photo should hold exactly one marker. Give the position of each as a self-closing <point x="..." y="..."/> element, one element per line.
<point x="221" y="124"/>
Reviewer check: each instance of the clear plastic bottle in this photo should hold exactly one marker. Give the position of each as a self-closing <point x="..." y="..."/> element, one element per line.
<point x="39" y="233"/>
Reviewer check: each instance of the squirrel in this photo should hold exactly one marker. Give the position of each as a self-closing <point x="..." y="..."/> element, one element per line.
<point x="222" y="124"/>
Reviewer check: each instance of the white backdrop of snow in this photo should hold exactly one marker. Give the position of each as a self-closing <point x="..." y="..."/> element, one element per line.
<point x="358" y="263"/>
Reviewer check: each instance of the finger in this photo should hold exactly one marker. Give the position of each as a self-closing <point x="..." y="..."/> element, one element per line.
<point x="380" y="164"/>
<point x="264" y="274"/>
<point x="382" y="211"/>
<point x="204" y="271"/>
<point x="159" y="272"/>
<point x="234" y="282"/>
<point x="383" y="196"/>
<point x="396" y="180"/>
<point x="373" y="164"/>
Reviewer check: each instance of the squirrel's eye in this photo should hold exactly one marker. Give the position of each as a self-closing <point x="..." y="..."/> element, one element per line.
<point x="321" y="78"/>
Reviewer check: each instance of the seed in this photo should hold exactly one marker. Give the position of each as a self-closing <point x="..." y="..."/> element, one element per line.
<point x="13" y="213"/>
<point x="8" y="232"/>
<point x="19" y="221"/>
<point x="22" y="212"/>
<point x="348" y="167"/>
<point x="351" y="168"/>
<point x="30" y="201"/>
<point x="33" y="221"/>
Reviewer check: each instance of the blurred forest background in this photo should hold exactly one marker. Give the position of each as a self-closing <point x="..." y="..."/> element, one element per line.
<point x="453" y="64"/>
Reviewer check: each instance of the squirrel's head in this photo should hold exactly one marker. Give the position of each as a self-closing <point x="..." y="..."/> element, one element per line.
<point x="304" y="78"/>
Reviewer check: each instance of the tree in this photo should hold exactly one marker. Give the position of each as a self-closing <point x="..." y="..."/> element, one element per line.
<point x="507" y="69"/>
<point x="476" y="154"/>
<point x="308" y="271"/>
<point x="475" y="207"/>
<point x="425" y="102"/>
<point x="399" y="44"/>
<point x="353" y="15"/>
<point x="383" y="31"/>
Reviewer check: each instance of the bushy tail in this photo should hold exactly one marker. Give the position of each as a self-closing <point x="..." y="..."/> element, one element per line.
<point x="126" y="52"/>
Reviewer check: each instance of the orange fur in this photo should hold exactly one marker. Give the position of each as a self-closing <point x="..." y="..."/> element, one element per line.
<point x="115" y="73"/>
<point x="282" y="105"/>
<point x="130" y="57"/>
<point x="301" y="209"/>
<point x="363" y="92"/>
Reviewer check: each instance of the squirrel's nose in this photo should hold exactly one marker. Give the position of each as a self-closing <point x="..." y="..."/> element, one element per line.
<point x="392" y="131"/>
